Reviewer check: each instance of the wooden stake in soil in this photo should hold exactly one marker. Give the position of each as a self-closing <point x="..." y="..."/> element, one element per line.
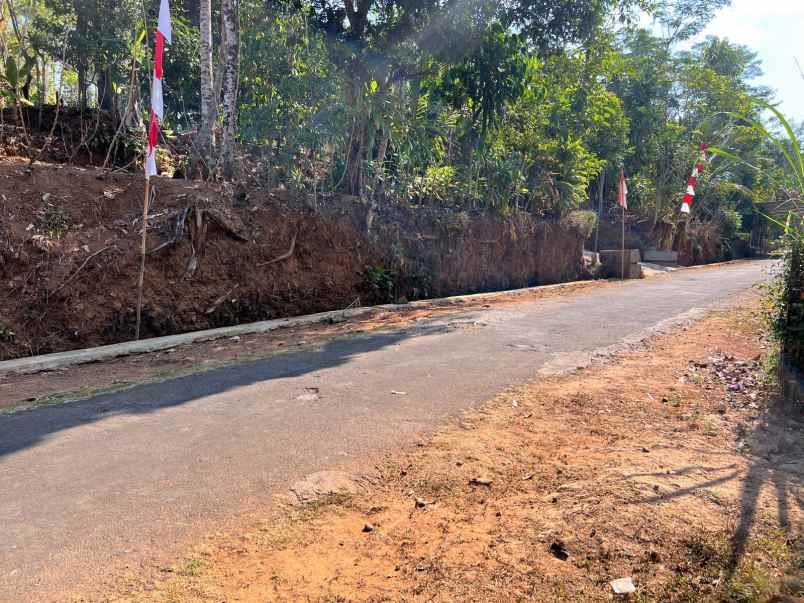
<point x="143" y="251"/>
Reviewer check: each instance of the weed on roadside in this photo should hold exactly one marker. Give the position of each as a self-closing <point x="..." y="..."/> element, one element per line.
<point x="314" y="508"/>
<point x="53" y="221"/>
<point x="193" y="567"/>
<point x="709" y="572"/>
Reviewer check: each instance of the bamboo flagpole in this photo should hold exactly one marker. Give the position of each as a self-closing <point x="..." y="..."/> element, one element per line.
<point x="622" y="201"/>
<point x="699" y="168"/>
<point x="143" y="252"/>
<point x="622" y="251"/>
<point x="601" y="184"/>
<point x="163" y="36"/>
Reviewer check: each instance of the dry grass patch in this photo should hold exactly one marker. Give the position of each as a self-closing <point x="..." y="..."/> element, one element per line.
<point x="650" y="467"/>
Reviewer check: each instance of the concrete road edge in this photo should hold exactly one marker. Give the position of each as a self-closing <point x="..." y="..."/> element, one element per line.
<point x="46" y="362"/>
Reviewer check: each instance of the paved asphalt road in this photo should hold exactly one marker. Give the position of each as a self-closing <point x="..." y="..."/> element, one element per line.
<point x="90" y="486"/>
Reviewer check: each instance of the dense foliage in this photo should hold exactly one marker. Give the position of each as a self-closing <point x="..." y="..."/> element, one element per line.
<point x="788" y="314"/>
<point x="530" y="104"/>
<point x="785" y="295"/>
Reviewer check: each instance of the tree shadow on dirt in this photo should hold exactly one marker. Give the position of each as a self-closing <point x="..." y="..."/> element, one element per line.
<point x="682" y="472"/>
<point x="774" y="450"/>
<point x="25" y="429"/>
<point x="777" y="446"/>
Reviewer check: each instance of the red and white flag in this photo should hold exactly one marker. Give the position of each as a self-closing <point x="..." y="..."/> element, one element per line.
<point x="163" y="35"/>
<point x="696" y="171"/>
<point x="622" y="191"/>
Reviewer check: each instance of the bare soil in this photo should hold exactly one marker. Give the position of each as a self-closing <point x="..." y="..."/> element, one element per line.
<point x="675" y="466"/>
<point x="221" y="255"/>
<point x="69" y="247"/>
<point x="18" y="391"/>
<point x="79" y="137"/>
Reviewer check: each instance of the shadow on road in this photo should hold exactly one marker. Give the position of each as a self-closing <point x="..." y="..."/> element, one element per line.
<point x="25" y="429"/>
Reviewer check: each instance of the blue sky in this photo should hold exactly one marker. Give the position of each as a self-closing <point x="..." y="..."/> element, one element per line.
<point x="775" y="30"/>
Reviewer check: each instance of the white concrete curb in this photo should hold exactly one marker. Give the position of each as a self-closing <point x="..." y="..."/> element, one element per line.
<point x="34" y="364"/>
<point x="46" y="362"/>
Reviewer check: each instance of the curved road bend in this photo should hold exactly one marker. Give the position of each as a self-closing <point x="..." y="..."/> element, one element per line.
<point x="90" y="487"/>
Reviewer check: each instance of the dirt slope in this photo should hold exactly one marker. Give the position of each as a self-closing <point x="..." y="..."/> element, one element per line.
<point x="70" y="239"/>
<point x="70" y="242"/>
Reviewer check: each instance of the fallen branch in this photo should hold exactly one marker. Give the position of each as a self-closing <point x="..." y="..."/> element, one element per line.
<point x="80" y="268"/>
<point x="228" y="223"/>
<point x="130" y="107"/>
<point x="181" y="219"/>
<point x="285" y="255"/>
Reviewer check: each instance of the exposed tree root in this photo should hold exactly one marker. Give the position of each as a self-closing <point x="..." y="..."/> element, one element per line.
<point x="285" y="255"/>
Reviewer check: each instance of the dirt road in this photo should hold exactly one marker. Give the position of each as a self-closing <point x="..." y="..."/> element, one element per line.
<point x="93" y="487"/>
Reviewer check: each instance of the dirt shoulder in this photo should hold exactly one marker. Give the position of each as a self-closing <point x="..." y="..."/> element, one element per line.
<point x="20" y="391"/>
<point x="674" y="466"/>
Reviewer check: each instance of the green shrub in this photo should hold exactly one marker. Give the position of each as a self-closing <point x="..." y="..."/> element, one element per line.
<point x="785" y="304"/>
<point x="6" y="334"/>
<point x="583" y="221"/>
<point x="53" y="220"/>
<point x="380" y="281"/>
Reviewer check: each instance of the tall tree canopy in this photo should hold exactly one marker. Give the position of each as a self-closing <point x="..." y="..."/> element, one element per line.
<point x="473" y="103"/>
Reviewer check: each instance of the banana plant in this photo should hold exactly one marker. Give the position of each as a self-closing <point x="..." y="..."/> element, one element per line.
<point x="790" y="148"/>
<point x="11" y="78"/>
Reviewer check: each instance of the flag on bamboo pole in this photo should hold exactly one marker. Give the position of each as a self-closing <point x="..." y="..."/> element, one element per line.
<point x="622" y="191"/>
<point x="696" y="171"/>
<point x="163" y="36"/>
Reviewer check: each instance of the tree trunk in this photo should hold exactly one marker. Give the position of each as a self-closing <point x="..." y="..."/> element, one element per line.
<point x="132" y="116"/>
<point x="379" y="165"/>
<point x="219" y="69"/>
<point x="41" y="67"/>
<point x="82" y="87"/>
<point x="206" y="137"/>
<point x="105" y="90"/>
<point x="81" y="68"/>
<point x="354" y="169"/>
<point x="229" y="19"/>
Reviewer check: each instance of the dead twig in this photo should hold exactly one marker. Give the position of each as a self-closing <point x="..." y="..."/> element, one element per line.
<point x="285" y="255"/>
<point x="86" y="135"/>
<point x="181" y="219"/>
<point x="125" y="167"/>
<point x="80" y="268"/>
<point x="220" y="300"/>
<point x="130" y="107"/>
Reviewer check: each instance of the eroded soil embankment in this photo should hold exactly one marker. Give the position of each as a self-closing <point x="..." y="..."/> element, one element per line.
<point x="70" y="240"/>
